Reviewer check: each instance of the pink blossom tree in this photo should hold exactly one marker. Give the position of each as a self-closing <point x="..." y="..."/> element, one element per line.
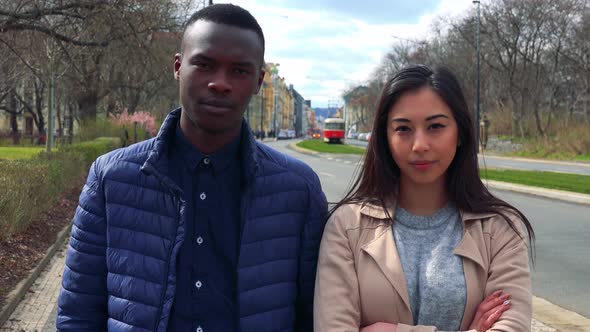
<point x="143" y="119"/>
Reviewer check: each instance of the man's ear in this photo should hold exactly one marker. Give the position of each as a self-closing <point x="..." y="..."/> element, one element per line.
<point x="177" y="62"/>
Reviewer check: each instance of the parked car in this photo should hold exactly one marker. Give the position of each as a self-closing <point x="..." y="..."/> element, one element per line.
<point x="362" y="136"/>
<point x="283" y="134"/>
<point x="352" y="135"/>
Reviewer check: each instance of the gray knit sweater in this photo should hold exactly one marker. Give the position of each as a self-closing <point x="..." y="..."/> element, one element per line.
<point x="434" y="275"/>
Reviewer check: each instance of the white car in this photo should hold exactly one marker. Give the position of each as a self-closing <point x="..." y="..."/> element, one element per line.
<point x="283" y="134"/>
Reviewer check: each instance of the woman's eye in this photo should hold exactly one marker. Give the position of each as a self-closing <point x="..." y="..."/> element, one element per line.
<point x="402" y="128"/>
<point x="437" y="126"/>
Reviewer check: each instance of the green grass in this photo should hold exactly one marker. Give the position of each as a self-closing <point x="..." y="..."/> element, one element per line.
<point x="15" y="153"/>
<point x="550" y="180"/>
<point x="320" y="146"/>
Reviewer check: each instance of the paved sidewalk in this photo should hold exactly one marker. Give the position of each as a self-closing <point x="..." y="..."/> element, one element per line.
<point x="37" y="311"/>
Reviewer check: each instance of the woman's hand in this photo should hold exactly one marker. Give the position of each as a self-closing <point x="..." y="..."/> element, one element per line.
<point x="489" y="311"/>
<point x="380" y="327"/>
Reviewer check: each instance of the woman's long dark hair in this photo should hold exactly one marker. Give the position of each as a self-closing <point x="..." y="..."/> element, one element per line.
<point x="378" y="179"/>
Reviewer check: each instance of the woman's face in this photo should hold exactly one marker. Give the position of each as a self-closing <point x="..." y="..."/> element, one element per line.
<point x="423" y="136"/>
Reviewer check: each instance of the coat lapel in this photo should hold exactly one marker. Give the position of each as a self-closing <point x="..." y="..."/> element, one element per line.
<point x="384" y="251"/>
<point x="473" y="263"/>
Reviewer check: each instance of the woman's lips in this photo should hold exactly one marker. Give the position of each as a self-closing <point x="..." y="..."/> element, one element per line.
<point x="422" y="164"/>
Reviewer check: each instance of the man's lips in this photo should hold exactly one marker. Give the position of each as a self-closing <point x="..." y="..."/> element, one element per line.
<point x="216" y="103"/>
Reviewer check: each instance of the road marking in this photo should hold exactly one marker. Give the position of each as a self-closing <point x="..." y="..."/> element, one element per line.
<point x="327" y="174"/>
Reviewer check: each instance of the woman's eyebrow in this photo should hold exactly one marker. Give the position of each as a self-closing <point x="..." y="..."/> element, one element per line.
<point x="400" y="120"/>
<point x="432" y="117"/>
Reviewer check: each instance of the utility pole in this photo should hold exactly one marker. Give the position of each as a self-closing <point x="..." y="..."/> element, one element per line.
<point x="210" y="2"/>
<point x="261" y="111"/>
<point x="49" y="133"/>
<point x="477" y="102"/>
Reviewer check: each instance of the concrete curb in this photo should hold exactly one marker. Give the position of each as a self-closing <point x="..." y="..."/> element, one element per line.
<point x="16" y="295"/>
<point x="561" y="319"/>
<point x="293" y="146"/>
<point x="544" y="161"/>
<point x="549" y="193"/>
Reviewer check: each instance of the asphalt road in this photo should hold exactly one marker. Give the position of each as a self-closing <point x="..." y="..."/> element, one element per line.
<point x="562" y="266"/>
<point x="492" y="161"/>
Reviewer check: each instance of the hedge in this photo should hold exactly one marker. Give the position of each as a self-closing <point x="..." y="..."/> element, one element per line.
<point x="32" y="186"/>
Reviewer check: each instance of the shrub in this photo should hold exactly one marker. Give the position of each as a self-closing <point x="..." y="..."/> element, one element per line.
<point x="91" y="150"/>
<point x="32" y="186"/>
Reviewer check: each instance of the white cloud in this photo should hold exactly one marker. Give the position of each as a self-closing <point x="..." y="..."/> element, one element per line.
<point x="324" y="50"/>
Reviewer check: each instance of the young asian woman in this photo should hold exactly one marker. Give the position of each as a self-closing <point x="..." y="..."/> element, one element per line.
<point x="419" y="243"/>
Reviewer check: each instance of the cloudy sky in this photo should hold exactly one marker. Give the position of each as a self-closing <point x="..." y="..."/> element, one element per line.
<point x="325" y="46"/>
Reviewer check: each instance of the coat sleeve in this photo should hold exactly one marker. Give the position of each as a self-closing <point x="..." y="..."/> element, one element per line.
<point x="509" y="271"/>
<point x="308" y="257"/>
<point x="82" y="302"/>
<point x="337" y="301"/>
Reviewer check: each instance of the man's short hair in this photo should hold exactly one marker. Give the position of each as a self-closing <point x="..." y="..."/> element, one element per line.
<point x="227" y="14"/>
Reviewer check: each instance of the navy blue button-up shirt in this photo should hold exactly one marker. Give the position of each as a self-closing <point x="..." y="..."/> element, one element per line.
<point x="207" y="262"/>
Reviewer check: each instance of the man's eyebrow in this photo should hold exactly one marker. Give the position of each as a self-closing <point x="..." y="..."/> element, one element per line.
<point x="244" y="64"/>
<point x="202" y="57"/>
<point x="199" y="56"/>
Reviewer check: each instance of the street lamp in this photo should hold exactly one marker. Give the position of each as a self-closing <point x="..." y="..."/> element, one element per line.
<point x="262" y="108"/>
<point x="477" y="80"/>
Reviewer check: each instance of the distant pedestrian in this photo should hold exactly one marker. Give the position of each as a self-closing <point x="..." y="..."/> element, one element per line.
<point x="201" y="228"/>
<point x="419" y="244"/>
<point x="484" y="126"/>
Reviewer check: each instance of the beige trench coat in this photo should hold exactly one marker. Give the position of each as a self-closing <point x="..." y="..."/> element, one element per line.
<point x="360" y="280"/>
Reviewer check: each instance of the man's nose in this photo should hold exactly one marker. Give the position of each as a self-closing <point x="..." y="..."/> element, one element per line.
<point x="219" y="83"/>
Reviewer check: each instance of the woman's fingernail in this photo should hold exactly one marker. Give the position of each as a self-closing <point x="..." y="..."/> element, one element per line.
<point x="504" y="297"/>
<point x="507" y="302"/>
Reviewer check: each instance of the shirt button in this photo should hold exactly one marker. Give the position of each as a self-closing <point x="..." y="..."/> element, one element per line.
<point x="199" y="240"/>
<point x="206" y="161"/>
<point x="203" y="196"/>
<point x="198" y="284"/>
<point x="199" y="329"/>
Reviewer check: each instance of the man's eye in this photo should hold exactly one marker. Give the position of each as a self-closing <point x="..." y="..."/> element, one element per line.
<point x="202" y="65"/>
<point x="242" y="71"/>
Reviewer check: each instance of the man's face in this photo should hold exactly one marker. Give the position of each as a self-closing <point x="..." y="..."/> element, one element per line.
<point x="219" y="71"/>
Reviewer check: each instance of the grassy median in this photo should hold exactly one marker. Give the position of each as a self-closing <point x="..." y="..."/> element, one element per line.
<point x="321" y="146"/>
<point x="550" y="180"/>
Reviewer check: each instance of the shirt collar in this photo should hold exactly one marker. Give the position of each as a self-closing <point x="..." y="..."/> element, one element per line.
<point x="218" y="160"/>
